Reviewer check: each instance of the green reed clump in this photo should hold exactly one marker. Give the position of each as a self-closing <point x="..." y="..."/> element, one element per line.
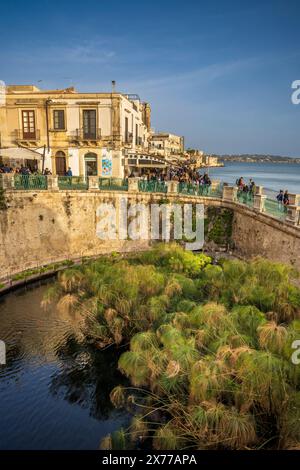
<point x="210" y="347"/>
<point x="121" y="297"/>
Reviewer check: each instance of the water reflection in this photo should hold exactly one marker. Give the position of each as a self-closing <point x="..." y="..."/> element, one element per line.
<point x="86" y="378"/>
<point x="54" y="390"/>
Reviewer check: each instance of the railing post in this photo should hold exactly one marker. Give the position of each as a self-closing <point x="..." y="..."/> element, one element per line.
<point x="215" y="184"/>
<point x="52" y="183"/>
<point x="133" y="184"/>
<point x="294" y="199"/>
<point x="93" y="182"/>
<point x="293" y="215"/>
<point x="259" y="190"/>
<point x="229" y="193"/>
<point x="259" y="202"/>
<point x="172" y="187"/>
<point x="7" y="181"/>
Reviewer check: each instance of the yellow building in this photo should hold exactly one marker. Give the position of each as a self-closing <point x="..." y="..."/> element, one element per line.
<point x="92" y="133"/>
<point x="166" y="144"/>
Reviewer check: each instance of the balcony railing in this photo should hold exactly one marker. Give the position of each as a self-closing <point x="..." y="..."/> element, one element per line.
<point x="19" y="135"/>
<point x="128" y="138"/>
<point x="152" y="186"/>
<point x="246" y="198"/>
<point x="113" y="184"/>
<point x="30" y="182"/>
<point x="72" y="182"/>
<point x="275" y="208"/>
<point x="205" y="190"/>
<point x="84" y="134"/>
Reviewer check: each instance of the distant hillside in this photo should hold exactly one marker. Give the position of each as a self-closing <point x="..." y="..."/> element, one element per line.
<point x="255" y="158"/>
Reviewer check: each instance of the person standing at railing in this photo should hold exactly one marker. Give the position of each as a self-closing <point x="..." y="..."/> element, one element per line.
<point x="286" y="198"/>
<point x="252" y="187"/>
<point x="69" y="172"/>
<point x="279" y="198"/>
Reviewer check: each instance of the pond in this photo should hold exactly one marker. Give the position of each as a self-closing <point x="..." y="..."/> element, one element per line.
<point x="54" y="388"/>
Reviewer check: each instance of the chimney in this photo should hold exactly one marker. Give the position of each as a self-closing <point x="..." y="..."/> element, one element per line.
<point x="113" y="86"/>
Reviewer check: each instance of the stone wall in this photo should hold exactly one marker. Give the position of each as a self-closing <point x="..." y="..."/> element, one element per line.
<point x="41" y="227"/>
<point x="256" y="234"/>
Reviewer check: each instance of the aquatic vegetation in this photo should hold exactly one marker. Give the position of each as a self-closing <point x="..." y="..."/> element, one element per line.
<point x="209" y="347"/>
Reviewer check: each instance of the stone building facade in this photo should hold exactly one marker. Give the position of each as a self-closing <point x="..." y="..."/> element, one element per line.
<point x="92" y="133"/>
<point x="166" y="145"/>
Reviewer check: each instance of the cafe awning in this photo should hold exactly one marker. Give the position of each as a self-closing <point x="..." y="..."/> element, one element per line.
<point x="20" y="153"/>
<point x="149" y="161"/>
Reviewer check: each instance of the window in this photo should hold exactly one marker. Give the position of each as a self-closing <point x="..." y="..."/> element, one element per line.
<point x="59" y="119"/>
<point x="89" y="123"/>
<point x="136" y="134"/>
<point x="28" y="123"/>
<point x="126" y="130"/>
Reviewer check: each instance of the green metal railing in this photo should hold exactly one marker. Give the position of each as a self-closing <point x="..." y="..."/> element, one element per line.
<point x="72" y="182"/>
<point x="275" y="208"/>
<point x="152" y="186"/>
<point x="30" y="182"/>
<point x="246" y="198"/>
<point x="204" y="190"/>
<point x="113" y="184"/>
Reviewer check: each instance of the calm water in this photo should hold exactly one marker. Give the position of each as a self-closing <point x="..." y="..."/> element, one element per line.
<point x="54" y="390"/>
<point x="270" y="175"/>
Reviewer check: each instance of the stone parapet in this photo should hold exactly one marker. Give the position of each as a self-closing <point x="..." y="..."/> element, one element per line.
<point x="259" y="202"/>
<point x="172" y="187"/>
<point x="7" y="181"/>
<point x="229" y="193"/>
<point x="133" y="184"/>
<point x="294" y="199"/>
<point x="93" y="182"/>
<point x="52" y="183"/>
<point x="293" y="215"/>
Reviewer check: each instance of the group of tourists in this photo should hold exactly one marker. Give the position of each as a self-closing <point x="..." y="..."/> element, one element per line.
<point x="22" y="170"/>
<point x="283" y="197"/>
<point x="26" y="170"/>
<point x="249" y="188"/>
<point x="182" y="175"/>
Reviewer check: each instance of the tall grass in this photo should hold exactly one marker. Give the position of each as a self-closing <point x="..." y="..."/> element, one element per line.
<point x="209" y="354"/>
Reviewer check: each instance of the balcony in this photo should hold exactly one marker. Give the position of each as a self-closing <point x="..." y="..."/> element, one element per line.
<point x="26" y="137"/>
<point x="83" y="135"/>
<point x="128" y="138"/>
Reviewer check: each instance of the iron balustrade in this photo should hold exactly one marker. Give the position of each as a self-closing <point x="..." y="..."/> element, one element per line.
<point x="205" y="190"/>
<point x="113" y="184"/>
<point x="152" y="186"/>
<point x="84" y="134"/>
<point x="72" y="182"/>
<point x="246" y="198"/>
<point x="275" y="208"/>
<point x="28" y="182"/>
<point x="19" y="135"/>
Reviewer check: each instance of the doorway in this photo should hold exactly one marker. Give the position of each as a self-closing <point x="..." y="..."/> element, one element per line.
<point x="60" y="163"/>
<point x="90" y="164"/>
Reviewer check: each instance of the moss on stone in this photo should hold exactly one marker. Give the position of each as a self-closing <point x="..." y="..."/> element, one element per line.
<point x="218" y="225"/>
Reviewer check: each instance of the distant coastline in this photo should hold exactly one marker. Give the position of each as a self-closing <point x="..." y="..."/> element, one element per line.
<point x="248" y="158"/>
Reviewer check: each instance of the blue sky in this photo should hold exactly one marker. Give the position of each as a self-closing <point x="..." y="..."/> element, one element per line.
<point x="218" y="72"/>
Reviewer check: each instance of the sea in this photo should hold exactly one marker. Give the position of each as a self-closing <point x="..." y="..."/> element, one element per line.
<point x="272" y="176"/>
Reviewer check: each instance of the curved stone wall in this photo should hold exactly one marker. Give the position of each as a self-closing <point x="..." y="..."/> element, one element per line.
<point x="40" y="227"/>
